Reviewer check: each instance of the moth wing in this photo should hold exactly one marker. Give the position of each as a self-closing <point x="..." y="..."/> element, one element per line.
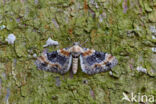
<point x="93" y="62"/>
<point x="57" y="61"/>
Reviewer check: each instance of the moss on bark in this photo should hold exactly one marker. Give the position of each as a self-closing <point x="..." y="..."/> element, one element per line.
<point x="120" y="27"/>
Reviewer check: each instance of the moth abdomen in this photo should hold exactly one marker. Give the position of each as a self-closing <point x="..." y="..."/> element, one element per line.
<point x="75" y="65"/>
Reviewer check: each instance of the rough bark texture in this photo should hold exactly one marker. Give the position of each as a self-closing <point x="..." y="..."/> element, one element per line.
<point x="123" y="28"/>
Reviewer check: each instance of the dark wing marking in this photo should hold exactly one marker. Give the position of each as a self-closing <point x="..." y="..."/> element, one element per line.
<point x="93" y="62"/>
<point x="57" y="61"/>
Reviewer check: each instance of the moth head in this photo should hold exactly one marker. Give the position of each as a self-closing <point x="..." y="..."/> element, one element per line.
<point x="76" y="43"/>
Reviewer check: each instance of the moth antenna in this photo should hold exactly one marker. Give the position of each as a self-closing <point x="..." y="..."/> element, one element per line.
<point x="84" y="42"/>
<point x="69" y="39"/>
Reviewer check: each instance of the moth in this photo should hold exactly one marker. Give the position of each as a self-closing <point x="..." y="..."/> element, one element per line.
<point x="91" y="61"/>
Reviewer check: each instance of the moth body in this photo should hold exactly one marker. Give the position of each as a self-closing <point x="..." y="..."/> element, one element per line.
<point x="76" y="50"/>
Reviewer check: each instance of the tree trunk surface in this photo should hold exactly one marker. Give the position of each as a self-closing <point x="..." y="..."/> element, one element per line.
<point x="124" y="28"/>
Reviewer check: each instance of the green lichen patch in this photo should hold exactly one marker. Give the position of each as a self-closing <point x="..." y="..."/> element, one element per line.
<point x="120" y="27"/>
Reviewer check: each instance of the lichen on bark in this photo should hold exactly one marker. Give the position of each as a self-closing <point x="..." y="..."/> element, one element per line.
<point x="119" y="27"/>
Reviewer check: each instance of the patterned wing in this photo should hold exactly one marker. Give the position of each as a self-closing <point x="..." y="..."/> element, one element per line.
<point x="57" y="61"/>
<point x="93" y="62"/>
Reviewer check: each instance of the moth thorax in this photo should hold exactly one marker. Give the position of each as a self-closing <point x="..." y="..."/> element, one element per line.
<point x="75" y="65"/>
